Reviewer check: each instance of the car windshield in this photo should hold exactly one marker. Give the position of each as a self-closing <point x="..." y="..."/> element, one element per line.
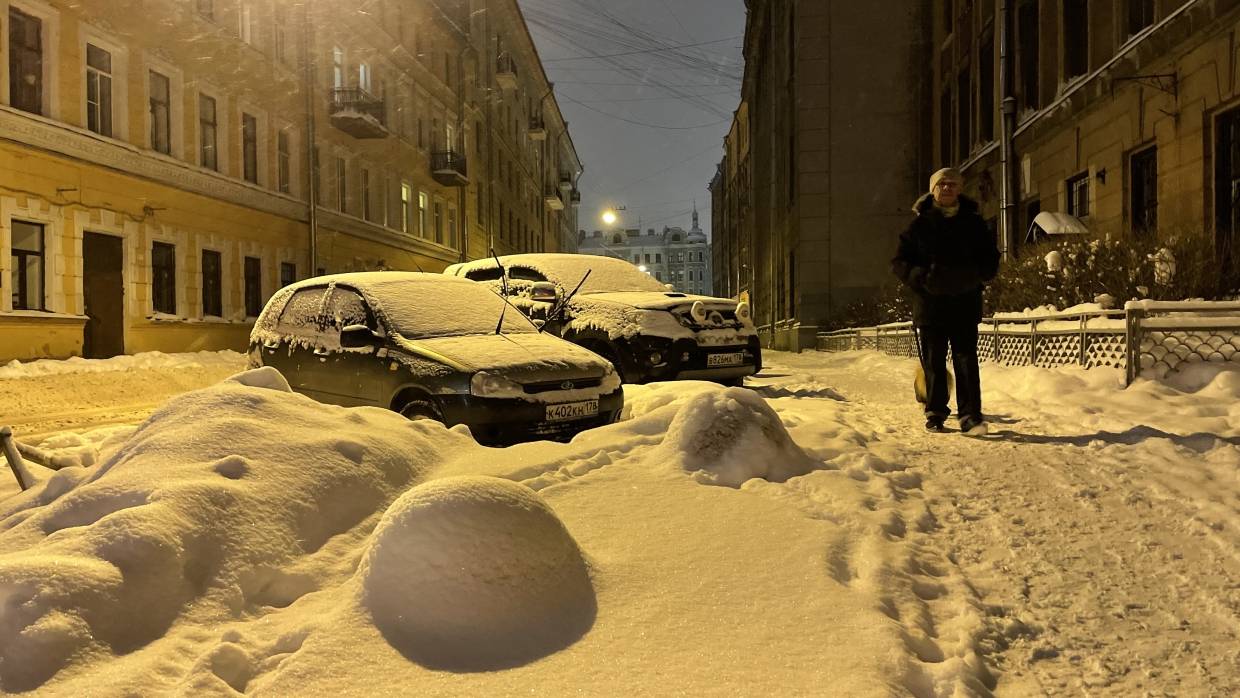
<point x="433" y="308"/>
<point x="606" y="274"/>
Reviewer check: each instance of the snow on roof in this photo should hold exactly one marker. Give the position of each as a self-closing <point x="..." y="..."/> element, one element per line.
<point x="567" y="270"/>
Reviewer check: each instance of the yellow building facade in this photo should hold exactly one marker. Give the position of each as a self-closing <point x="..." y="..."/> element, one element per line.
<point x="156" y="167"/>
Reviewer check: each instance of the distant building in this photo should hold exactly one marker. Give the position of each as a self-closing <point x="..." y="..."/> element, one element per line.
<point x="828" y="149"/>
<point x="675" y="256"/>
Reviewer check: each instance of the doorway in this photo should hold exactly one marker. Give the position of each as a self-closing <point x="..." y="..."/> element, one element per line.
<point x="103" y="285"/>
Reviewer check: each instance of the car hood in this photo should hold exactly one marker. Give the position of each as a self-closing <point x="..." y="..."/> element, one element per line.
<point x="656" y="300"/>
<point x="520" y="357"/>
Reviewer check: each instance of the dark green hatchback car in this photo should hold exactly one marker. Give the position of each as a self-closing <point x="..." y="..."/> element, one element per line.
<point x="433" y="347"/>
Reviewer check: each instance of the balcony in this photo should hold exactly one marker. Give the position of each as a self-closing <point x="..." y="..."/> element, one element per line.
<point x="553" y="198"/>
<point x="506" y="72"/>
<point x="538" y="129"/>
<point x="358" y="113"/>
<point x="575" y="197"/>
<point x="449" y="168"/>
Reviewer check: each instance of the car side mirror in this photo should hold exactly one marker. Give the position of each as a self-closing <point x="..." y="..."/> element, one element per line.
<point x="359" y="337"/>
<point x="539" y="323"/>
<point x="544" y="292"/>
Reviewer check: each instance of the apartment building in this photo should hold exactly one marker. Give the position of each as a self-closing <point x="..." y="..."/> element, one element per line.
<point x="826" y="154"/>
<point x="675" y="256"/>
<point x="1127" y="113"/>
<point x="162" y="173"/>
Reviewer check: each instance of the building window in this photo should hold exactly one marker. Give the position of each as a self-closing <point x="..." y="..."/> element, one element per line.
<point x="363" y="76"/>
<point x="249" y="147"/>
<point x="439" y="222"/>
<point x="1140" y="15"/>
<point x="245" y="15"/>
<point x="986" y="88"/>
<point x="164" y="278"/>
<point x="658" y="257"/>
<point x="366" y="212"/>
<point x="452" y="228"/>
<point x="25" y="61"/>
<point x="637" y="259"/>
<point x="1078" y="195"/>
<point x="98" y="90"/>
<point x="1075" y="38"/>
<point x="1145" y="192"/>
<point x="342" y="186"/>
<point x="253" y="286"/>
<point x="206" y="132"/>
<point x="945" y="127"/>
<point x="1027" y="28"/>
<point x="423" y="222"/>
<point x="964" y="107"/>
<point x="279" y="39"/>
<point x="27" y="266"/>
<point x="288" y="274"/>
<point x="205" y="8"/>
<point x="212" y="284"/>
<point x="647" y="258"/>
<point x="337" y="67"/>
<point x="161" y="91"/>
<point x="406" y="196"/>
<point x="283" y="162"/>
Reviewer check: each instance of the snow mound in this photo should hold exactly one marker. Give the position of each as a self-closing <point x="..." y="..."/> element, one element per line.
<point x="476" y="574"/>
<point x="726" y="437"/>
<point x="103" y="562"/>
<point x="265" y="377"/>
<point x="145" y="361"/>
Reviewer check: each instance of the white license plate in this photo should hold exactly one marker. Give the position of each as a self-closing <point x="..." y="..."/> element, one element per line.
<point x="735" y="359"/>
<point x="572" y="410"/>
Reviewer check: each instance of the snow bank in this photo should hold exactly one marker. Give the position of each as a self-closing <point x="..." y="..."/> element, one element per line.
<point x="476" y="574"/>
<point x="728" y="437"/>
<point x="136" y="362"/>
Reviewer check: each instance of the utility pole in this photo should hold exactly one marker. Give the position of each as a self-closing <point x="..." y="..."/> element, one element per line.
<point x="1007" y="151"/>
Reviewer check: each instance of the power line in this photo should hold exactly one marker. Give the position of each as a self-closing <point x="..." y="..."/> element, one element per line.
<point x="642" y="123"/>
<point x="644" y="51"/>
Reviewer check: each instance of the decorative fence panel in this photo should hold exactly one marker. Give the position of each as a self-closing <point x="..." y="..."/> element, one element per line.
<point x="1147" y="338"/>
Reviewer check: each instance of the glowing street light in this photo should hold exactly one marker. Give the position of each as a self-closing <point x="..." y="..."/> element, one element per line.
<point x="609" y="217"/>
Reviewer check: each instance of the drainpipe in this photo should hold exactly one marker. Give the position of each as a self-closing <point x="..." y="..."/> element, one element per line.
<point x="1007" y="153"/>
<point x="312" y="183"/>
<point x="463" y="191"/>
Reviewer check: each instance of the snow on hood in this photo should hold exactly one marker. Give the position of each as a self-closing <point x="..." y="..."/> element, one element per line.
<point x="520" y="357"/>
<point x="567" y="270"/>
<point x="658" y="300"/>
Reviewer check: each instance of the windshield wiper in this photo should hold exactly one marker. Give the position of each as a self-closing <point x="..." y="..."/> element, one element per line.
<point x="559" y="307"/>
<point x="503" y="275"/>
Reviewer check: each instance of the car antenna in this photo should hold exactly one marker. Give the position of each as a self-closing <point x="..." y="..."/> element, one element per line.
<point x="503" y="275"/>
<point x="564" y="303"/>
<point x="419" y="266"/>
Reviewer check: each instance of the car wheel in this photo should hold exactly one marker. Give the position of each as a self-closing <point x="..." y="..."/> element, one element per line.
<point x="421" y="408"/>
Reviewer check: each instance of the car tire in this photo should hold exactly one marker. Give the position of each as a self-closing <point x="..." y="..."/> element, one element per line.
<point x="421" y="408"/>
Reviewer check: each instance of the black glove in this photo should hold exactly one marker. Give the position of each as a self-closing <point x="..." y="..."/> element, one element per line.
<point x="952" y="280"/>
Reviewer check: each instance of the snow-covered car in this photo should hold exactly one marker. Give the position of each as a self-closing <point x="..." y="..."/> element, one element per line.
<point x="432" y="347"/>
<point x="649" y="332"/>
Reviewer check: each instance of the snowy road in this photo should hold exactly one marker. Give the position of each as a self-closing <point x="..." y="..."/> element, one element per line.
<point x="1105" y="553"/>
<point x="1089" y="546"/>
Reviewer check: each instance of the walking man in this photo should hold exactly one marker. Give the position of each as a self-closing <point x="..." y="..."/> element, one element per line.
<point x="946" y="256"/>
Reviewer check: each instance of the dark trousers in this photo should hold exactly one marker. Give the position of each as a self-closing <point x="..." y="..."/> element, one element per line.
<point x="963" y="341"/>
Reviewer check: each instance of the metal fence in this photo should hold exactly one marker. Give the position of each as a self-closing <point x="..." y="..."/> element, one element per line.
<point x="1147" y="338"/>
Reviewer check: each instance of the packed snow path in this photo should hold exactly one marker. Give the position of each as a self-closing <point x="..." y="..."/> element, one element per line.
<point x="1087" y="547"/>
<point x="1101" y="538"/>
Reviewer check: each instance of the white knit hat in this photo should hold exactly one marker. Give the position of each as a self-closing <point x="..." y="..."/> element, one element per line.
<point x="946" y="173"/>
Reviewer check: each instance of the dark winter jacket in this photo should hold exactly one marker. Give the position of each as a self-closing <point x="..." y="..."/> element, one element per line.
<point x="946" y="262"/>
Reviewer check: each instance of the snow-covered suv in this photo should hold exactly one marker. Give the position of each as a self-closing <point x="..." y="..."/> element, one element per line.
<point x="432" y="347"/>
<point x="614" y="309"/>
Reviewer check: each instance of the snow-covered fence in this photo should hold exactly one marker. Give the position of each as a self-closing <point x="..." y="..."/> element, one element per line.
<point x="1174" y="333"/>
<point x="1149" y="338"/>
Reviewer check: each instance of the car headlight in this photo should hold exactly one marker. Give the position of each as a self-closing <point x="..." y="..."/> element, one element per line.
<point x="743" y="312"/>
<point x="698" y="312"/>
<point x="485" y="384"/>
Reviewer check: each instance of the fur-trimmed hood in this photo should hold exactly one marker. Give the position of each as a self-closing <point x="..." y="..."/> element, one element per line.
<point x="926" y="203"/>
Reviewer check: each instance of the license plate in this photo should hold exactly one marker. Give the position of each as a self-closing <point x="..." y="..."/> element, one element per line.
<point x="571" y="410"/>
<point x="735" y="359"/>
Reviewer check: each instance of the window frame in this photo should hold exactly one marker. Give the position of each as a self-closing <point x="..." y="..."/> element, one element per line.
<point x="103" y="108"/>
<point x="1145" y="224"/>
<point x="288" y="273"/>
<point x="249" y="147"/>
<point x="252" y="285"/>
<point x="209" y="154"/>
<point x="167" y="278"/>
<point x="1078" y="205"/>
<point x="19" y="257"/>
<point x="211" y="286"/>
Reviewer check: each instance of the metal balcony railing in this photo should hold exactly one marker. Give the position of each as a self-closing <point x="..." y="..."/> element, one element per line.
<point x="450" y="168"/>
<point x="358" y="113"/>
<point x="506" y="72"/>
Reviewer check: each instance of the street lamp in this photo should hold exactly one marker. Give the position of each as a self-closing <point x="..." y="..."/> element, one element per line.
<point x="610" y="215"/>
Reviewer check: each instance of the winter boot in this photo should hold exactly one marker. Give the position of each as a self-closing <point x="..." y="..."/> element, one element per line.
<point x="974" y="426"/>
<point x="934" y="424"/>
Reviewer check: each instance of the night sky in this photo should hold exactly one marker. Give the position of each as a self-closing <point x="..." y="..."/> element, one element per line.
<point x="648" y="88"/>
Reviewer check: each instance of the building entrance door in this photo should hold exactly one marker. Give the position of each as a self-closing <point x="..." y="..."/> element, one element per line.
<point x="103" y="285"/>
<point x="1227" y="198"/>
